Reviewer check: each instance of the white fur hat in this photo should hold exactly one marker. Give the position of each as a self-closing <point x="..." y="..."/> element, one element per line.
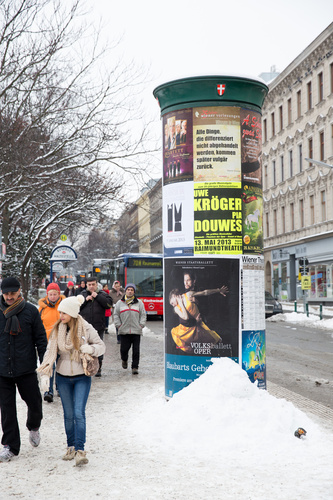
<point x="71" y="305"/>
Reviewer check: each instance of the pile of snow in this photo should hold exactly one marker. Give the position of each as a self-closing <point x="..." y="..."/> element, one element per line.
<point x="224" y="417"/>
<point x="303" y="319"/>
<point x="295" y="317"/>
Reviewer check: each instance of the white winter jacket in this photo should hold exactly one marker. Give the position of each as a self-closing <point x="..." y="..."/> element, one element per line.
<point x="130" y="318"/>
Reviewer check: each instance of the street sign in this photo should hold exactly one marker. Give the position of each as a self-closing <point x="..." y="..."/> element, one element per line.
<point x="57" y="267"/>
<point x="306" y="282"/>
<point x="63" y="253"/>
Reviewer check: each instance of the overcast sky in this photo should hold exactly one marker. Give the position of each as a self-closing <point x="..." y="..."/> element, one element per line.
<point x="189" y="37"/>
<point x="181" y="38"/>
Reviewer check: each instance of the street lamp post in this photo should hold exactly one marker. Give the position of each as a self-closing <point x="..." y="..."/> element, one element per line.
<point x="319" y="163"/>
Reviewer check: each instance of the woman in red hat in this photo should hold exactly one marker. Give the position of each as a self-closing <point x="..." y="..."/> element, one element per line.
<point x="48" y="310"/>
<point x="70" y="290"/>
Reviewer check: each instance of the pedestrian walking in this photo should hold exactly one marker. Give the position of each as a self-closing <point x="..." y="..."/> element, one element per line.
<point x="130" y="318"/>
<point x="108" y="311"/>
<point x="21" y="333"/>
<point x="71" y="339"/>
<point x="81" y="287"/>
<point x="93" y="310"/>
<point x="48" y="310"/>
<point x="117" y="293"/>
<point x="70" y="290"/>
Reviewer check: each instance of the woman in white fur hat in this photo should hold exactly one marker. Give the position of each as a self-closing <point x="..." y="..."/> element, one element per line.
<point x="71" y="339"/>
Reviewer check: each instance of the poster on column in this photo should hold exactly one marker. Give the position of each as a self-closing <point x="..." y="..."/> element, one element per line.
<point x="201" y="312"/>
<point x="216" y="144"/>
<point x="178" y="219"/>
<point x="254" y="356"/>
<point x="251" y="140"/>
<point x="252" y="209"/>
<point x="177" y="147"/>
<point x="217" y="218"/>
<point x="253" y="292"/>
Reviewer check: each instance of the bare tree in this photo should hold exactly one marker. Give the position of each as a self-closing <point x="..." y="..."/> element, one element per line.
<point x="60" y="113"/>
<point x="82" y="200"/>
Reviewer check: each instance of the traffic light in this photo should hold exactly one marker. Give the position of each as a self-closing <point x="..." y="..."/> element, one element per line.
<point x="303" y="266"/>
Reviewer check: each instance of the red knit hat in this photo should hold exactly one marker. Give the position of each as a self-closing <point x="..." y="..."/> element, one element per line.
<point x="70" y="283"/>
<point x="53" y="286"/>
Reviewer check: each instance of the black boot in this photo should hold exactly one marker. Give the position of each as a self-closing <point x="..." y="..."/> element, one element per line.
<point x="99" y="373"/>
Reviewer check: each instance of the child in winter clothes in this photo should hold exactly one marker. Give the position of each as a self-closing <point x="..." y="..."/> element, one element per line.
<point x="70" y="290"/>
<point x="48" y="310"/>
<point x="71" y="339"/>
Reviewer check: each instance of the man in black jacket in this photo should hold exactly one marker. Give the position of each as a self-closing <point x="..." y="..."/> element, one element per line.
<point x="93" y="310"/>
<point x="21" y="332"/>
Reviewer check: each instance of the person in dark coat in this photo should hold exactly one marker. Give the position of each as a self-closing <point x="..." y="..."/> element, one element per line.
<point x="70" y="290"/>
<point x="93" y="310"/>
<point x="83" y="286"/>
<point x="21" y="333"/>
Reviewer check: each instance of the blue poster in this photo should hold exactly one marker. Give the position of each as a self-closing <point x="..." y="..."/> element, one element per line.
<point x="180" y="371"/>
<point x="254" y="356"/>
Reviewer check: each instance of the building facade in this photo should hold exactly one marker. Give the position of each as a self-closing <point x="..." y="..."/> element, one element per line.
<point x="140" y="225"/>
<point x="297" y="124"/>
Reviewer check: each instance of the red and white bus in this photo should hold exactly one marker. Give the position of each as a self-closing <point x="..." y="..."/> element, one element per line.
<point x="145" y="270"/>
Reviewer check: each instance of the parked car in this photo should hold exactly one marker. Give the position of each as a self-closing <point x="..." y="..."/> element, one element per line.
<point x="272" y="305"/>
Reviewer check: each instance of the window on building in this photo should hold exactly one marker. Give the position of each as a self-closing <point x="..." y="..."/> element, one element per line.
<point x="281" y="117"/>
<point x="310" y="148"/>
<point x="320" y="87"/>
<point x="323" y="205"/>
<point x="291" y="166"/>
<point x="331" y="76"/>
<point x="309" y="92"/>
<point x="265" y="177"/>
<point x="274" y="173"/>
<point x="265" y="130"/>
<point x="300" y="157"/>
<point x="273" y="124"/>
<point x="267" y="225"/>
<point x="299" y="103"/>
<point x="322" y="145"/>
<point x="283" y="211"/>
<point x="312" y="209"/>
<point x="275" y="221"/>
<point x="282" y="168"/>
<point x="289" y="111"/>
<point x="292" y="217"/>
<point x="301" y="213"/>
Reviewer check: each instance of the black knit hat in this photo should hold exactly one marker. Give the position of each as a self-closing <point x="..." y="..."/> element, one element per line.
<point x="10" y="285"/>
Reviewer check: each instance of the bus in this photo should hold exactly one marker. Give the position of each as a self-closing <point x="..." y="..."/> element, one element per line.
<point x="145" y="270"/>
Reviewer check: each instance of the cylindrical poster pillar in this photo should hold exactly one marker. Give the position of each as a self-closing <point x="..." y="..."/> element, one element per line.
<point x="214" y="302"/>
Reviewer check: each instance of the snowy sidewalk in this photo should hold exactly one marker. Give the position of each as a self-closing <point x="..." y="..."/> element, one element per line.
<point x="221" y="438"/>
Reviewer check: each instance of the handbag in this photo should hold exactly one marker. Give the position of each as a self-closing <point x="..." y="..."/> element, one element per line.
<point x="90" y="365"/>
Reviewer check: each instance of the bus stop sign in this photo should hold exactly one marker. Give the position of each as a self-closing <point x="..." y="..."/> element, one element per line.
<point x="306" y="282"/>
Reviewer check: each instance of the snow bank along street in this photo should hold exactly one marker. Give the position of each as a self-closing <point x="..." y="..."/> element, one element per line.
<point x="219" y="438"/>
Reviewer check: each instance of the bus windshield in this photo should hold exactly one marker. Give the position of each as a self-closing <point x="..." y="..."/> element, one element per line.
<point x="149" y="282"/>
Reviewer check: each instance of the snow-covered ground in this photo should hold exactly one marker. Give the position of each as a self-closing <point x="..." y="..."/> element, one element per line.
<point x="219" y="438"/>
<point x="300" y="317"/>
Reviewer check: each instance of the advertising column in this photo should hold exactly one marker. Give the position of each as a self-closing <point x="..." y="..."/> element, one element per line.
<point x="212" y="226"/>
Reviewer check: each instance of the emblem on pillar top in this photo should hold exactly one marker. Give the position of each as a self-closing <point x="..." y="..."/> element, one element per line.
<point x="220" y="89"/>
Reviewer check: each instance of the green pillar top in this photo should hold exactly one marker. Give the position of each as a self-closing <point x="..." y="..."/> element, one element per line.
<point x="211" y="90"/>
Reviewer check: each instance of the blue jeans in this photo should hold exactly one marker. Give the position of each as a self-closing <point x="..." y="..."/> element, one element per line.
<point x="74" y="392"/>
